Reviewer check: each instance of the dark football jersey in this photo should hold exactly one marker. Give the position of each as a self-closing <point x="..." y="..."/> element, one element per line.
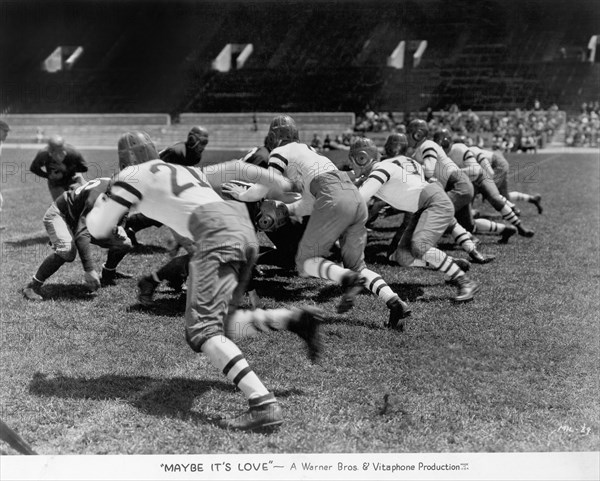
<point x="179" y="154"/>
<point x="75" y="204"/>
<point x="44" y="165"/>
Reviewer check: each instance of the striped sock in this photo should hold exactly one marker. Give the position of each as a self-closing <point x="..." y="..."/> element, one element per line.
<point x="443" y="263"/>
<point x="509" y="215"/>
<point x="376" y="284"/>
<point x="485" y="226"/>
<point x="243" y="323"/>
<point x="227" y="358"/>
<point x="461" y="237"/>
<point x="324" y="269"/>
<point x="515" y="196"/>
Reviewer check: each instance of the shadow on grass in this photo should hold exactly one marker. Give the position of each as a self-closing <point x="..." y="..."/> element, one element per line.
<point x="146" y="249"/>
<point x="163" y="306"/>
<point x="172" y="398"/>
<point x="271" y="272"/>
<point x="277" y="291"/>
<point x="350" y="319"/>
<point x="29" y="241"/>
<point x="408" y="292"/>
<point x="377" y="252"/>
<point x="54" y="292"/>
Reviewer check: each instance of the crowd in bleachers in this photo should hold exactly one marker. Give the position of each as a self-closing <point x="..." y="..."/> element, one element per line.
<point x="582" y="129"/>
<point x="522" y="130"/>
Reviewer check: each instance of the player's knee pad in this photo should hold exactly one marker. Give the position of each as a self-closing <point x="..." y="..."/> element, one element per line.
<point x="67" y="252"/>
<point x="419" y="246"/>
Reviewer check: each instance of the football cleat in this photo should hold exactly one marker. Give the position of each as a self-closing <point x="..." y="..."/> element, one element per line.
<point x="33" y="292"/>
<point x="264" y="413"/>
<point x="478" y="258"/>
<point x="463" y="264"/>
<point x="399" y="310"/>
<point x="507" y="233"/>
<point x="109" y="277"/>
<point x="352" y="284"/>
<point x="525" y="232"/>
<point x="467" y="289"/>
<point x="146" y="288"/>
<point x="537" y="201"/>
<point x="307" y="327"/>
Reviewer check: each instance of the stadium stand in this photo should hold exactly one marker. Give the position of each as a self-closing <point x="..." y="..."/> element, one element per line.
<point x="307" y="57"/>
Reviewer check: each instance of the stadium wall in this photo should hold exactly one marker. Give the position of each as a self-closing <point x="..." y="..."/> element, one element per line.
<point x="227" y="131"/>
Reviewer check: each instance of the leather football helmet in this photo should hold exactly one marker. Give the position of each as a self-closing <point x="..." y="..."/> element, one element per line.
<point x="197" y="138"/>
<point x="272" y="215"/>
<point x="417" y="130"/>
<point x="443" y="138"/>
<point x="282" y="131"/>
<point x="135" y="147"/>
<point x="395" y="144"/>
<point x="363" y="152"/>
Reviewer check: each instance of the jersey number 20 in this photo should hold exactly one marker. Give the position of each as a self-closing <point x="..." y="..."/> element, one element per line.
<point x="175" y="187"/>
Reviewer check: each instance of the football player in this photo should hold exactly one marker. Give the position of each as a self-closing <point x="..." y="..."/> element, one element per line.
<point x="65" y="223"/>
<point x="463" y="157"/>
<point x="226" y="247"/>
<point x="337" y="212"/>
<point x="182" y="153"/>
<point x="61" y="164"/>
<point x="496" y="167"/>
<point x="400" y="182"/>
<point x="395" y="144"/>
<point x="438" y="167"/>
<point x="188" y="152"/>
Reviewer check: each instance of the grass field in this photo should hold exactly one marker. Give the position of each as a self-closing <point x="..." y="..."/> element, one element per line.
<point x="516" y="370"/>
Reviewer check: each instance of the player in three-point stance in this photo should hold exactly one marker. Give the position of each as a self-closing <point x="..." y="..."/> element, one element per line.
<point x="337" y="211"/>
<point x="496" y="167"/>
<point x="463" y="157"/>
<point x="400" y="182"/>
<point x="438" y="167"/>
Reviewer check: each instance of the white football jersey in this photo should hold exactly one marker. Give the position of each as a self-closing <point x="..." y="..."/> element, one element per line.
<point x="301" y="164"/>
<point x="481" y="154"/>
<point x="462" y="156"/>
<point x="485" y="158"/>
<point x="168" y="193"/>
<point x="397" y="181"/>
<point x="435" y="162"/>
